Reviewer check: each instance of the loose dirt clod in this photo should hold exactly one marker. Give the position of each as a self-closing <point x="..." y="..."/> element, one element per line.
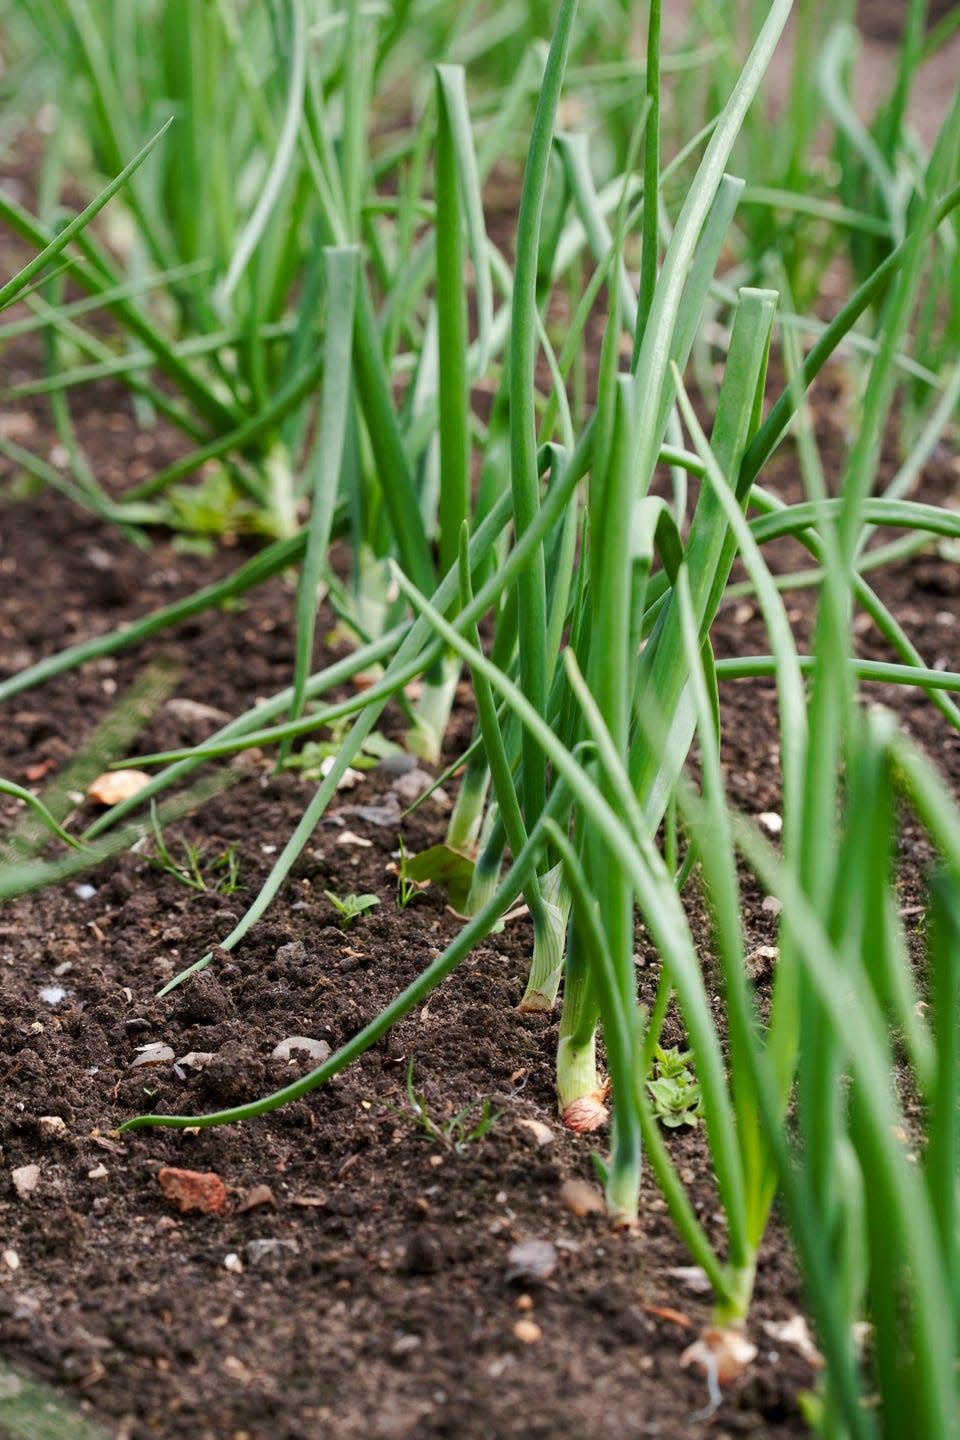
<point x="531" y="1260"/>
<point x="193" y="1190"/>
<point x="25" y="1179"/>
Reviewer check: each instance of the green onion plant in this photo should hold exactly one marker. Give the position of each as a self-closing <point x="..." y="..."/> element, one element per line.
<point x="569" y="541"/>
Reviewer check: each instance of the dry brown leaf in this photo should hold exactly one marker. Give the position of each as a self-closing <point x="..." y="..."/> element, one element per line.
<point x="667" y="1312"/>
<point x="256" y="1197"/>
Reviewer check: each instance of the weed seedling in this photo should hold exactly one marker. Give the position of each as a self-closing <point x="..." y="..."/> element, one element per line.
<point x="219" y="874"/>
<point x="408" y="889"/>
<point x="315" y="757"/>
<point x="675" y="1090"/>
<point x="459" y="1131"/>
<point x="351" y="906"/>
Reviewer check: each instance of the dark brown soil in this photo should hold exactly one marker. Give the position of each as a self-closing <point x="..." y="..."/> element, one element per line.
<point x="388" y="1309"/>
<point x="386" y="1306"/>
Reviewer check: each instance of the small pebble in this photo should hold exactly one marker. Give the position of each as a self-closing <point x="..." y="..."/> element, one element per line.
<point x="260" y="1251"/>
<point x="317" y="1050"/>
<point x="527" y="1331"/>
<point x="293" y="953"/>
<point x="25" y="1179"/>
<point x="154" y="1054"/>
<point x="116" y="785"/>
<point x="193" y="1190"/>
<point x="760" y="962"/>
<point x="196" y="1060"/>
<point x="52" y="1127"/>
<point x="692" y="1277"/>
<point x="542" y="1134"/>
<point x="347" y="780"/>
<point x="581" y="1198"/>
<point x="257" y="1197"/>
<point x="11" y="1259"/>
<point x="398" y="764"/>
<point x="531" y="1260"/>
<point x="405" y="1343"/>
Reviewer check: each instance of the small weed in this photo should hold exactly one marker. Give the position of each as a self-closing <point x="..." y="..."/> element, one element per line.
<point x="675" y="1090"/>
<point x="408" y="889"/>
<point x="314" y="757"/>
<point x="220" y="874"/>
<point x="350" y="906"/>
<point x="460" y="1130"/>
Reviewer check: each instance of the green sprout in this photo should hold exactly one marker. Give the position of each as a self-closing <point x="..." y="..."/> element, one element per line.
<point x="219" y="874"/>
<point x="675" y="1090"/>
<point x="408" y="889"/>
<point x="350" y="906"/>
<point x="315" y="757"/>
<point x="456" y="1133"/>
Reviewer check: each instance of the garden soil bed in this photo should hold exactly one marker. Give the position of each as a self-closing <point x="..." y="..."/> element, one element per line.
<point x="388" y="1307"/>
<point x="357" y="1279"/>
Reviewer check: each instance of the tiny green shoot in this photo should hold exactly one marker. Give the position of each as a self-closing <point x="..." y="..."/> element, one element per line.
<point x="315" y="757"/>
<point x="408" y="889"/>
<point x="350" y="907"/>
<point x="674" y="1089"/>
<point x="219" y="874"/>
<point x="459" y="1130"/>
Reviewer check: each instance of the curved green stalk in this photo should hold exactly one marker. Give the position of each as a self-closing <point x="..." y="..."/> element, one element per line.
<point x="283" y="158"/>
<point x="10" y="787"/>
<point x="341" y="266"/>
<point x="531" y="583"/>
<point x="23" y="279"/>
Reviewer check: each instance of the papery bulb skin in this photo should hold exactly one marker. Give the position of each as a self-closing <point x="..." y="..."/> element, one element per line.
<point x="586" y="1113"/>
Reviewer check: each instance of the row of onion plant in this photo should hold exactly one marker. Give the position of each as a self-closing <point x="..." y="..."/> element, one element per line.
<point x="601" y="675"/>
